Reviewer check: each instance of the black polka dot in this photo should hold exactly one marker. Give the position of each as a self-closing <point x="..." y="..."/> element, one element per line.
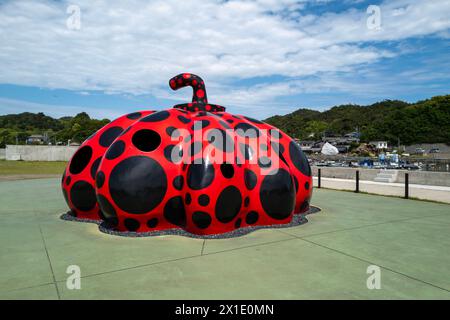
<point x="107" y="210"/>
<point x="115" y="150"/>
<point x="299" y="159"/>
<point x="155" y="117"/>
<point x="252" y="217"/>
<point x="152" y="223"/>
<point x="277" y="148"/>
<point x="134" y="115"/>
<point x="250" y="179"/>
<point x="275" y="134"/>
<point x="253" y="120"/>
<point x="188" y="198"/>
<point x="173" y="153"/>
<point x="100" y="179"/>
<point x="227" y="170"/>
<point x="247" y="151"/>
<point x="73" y="212"/>
<point x="200" y="124"/>
<point x="307" y="185"/>
<point x="174" y="211"/>
<point x="80" y="160"/>
<point x="220" y="139"/>
<point x="304" y="205"/>
<point x="131" y="224"/>
<point x="184" y="119"/>
<point x="238" y="222"/>
<point x="201" y="219"/>
<point x="246" y="130"/>
<point x="295" y="183"/>
<point x="170" y="130"/>
<point x="230" y="120"/>
<point x="224" y="124"/>
<point x="264" y="162"/>
<point x="283" y="159"/>
<point x="146" y="140"/>
<point x="178" y="182"/>
<point x="68" y="180"/>
<point x="246" y="201"/>
<point x="100" y="214"/>
<point x="277" y="194"/>
<point x="228" y="204"/>
<point x="94" y="167"/>
<point x="63" y="176"/>
<point x="109" y="136"/>
<point x="203" y="200"/>
<point x="195" y="148"/>
<point x="138" y="184"/>
<point x="200" y="175"/>
<point x="82" y="195"/>
<point x="173" y="132"/>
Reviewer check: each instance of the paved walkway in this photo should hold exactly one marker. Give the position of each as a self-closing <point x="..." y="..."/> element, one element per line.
<point x="327" y="258"/>
<point x="419" y="191"/>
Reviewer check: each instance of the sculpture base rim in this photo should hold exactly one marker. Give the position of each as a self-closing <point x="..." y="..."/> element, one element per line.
<point x="297" y="219"/>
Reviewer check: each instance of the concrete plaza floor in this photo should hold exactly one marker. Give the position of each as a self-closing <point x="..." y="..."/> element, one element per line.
<point x="326" y="258"/>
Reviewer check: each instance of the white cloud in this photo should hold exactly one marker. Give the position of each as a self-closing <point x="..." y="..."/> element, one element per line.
<point x="136" y="46"/>
<point x="400" y="19"/>
<point x="10" y="106"/>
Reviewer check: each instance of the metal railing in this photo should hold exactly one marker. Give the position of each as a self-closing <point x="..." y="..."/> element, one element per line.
<point x="319" y="182"/>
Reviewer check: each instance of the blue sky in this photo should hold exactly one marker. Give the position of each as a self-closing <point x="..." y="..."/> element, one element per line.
<point x="258" y="58"/>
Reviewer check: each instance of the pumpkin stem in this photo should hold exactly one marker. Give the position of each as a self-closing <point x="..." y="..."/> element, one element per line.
<point x="197" y="84"/>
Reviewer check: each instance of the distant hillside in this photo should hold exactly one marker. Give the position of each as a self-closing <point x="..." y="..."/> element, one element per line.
<point x="24" y="124"/>
<point x="426" y="121"/>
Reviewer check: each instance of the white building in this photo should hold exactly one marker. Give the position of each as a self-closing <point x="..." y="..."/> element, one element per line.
<point x="379" y="144"/>
<point x="35" y="139"/>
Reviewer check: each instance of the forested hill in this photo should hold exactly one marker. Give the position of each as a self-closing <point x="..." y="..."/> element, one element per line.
<point x="426" y="121"/>
<point x="25" y="124"/>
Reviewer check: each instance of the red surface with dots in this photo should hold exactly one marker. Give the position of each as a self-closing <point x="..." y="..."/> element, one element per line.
<point x="231" y="179"/>
<point x="78" y="181"/>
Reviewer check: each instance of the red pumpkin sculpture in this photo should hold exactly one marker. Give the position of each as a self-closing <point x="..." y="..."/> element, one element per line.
<point x="194" y="167"/>
<point x="78" y="181"/>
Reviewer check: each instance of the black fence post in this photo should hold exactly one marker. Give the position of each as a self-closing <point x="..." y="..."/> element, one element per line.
<point x="357" y="181"/>
<point x="406" y="185"/>
<point x="318" y="177"/>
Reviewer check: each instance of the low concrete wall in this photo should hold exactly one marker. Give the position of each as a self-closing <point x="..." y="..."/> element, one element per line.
<point x="2" y="154"/>
<point x="39" y="153"/>
<point x="346" y="173"/>
<point x="415" y="177"/>
<point x="426" y="177"/>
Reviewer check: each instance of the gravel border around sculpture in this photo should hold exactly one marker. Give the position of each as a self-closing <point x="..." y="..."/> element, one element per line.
<point x="297" y="219"/>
